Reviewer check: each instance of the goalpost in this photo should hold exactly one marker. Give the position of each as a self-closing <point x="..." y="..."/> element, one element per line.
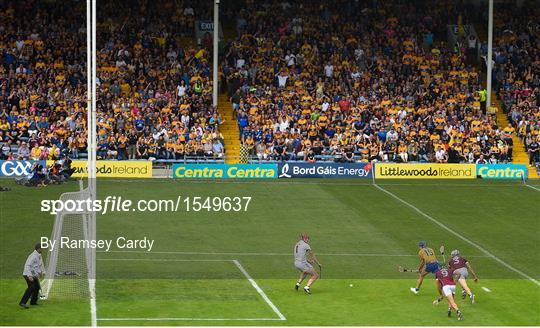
<point x="69" y="270"/>
<point x="71" y="273"/>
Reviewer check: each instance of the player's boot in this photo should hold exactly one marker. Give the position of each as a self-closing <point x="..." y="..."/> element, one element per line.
<point x="306" y="289"/>
<point x="297" y="286"/>
<point x="463" y="294"/>
<point x="449" y="312"/>
<point x="459" y="315"/>
<point x="472" y="298"/>
<point x="414" y="290"/>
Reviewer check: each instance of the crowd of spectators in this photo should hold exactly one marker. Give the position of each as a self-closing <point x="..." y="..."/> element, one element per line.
<point x="351" y="81"/>
<point x="42" y="79"/>
<point x="517" y="72"/>
<point x="155" y="90"/>
<point x="357" y="81"/>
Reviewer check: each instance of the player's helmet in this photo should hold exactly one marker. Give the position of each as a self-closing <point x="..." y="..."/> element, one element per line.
<point x="455" y="252"/>
<point x="422" y="243"/>
<point x="304" y="236"/>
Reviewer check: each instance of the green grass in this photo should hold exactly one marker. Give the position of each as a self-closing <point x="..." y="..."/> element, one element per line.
<point x="361" y="233"/>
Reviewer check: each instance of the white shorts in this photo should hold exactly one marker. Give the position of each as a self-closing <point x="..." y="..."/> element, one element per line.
<point x="448" y="290"/>
<point x="461" y="273"/>
<point x="303" y="266"/>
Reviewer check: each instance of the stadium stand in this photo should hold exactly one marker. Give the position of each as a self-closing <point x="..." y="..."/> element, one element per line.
<point x="42" y="80"/>
<point x="155" y="91"/>
<point x="517" y="74"/>
<point x="229" y="129"/>
<point x="352" y="82"/>
<point x="357" y="82"/>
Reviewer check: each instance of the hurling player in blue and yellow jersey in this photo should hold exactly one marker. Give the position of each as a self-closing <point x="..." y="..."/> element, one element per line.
<point x="428" y="263"/>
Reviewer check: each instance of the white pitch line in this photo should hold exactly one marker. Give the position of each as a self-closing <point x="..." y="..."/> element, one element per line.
<point x="273" y="254"/>
<point x="261" y="254"/>
<point x="363" y="184"/>
<point x="470" y="242"/>
<point x="259" y="290"/>
<point x="534" y="188"/>
<point x="486" y="289"/>
<point x="188" y="319"/>
<point x="293" y="182"/>
<point x="166" y="260"/>
<point x="238" y="265"/>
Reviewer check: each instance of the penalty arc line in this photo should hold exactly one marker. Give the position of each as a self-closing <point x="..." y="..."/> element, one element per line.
<point x="470" y="242"/>
<point x="258" y="289"/>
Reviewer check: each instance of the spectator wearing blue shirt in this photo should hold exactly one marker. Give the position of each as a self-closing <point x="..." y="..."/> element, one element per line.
<point x="217" y="148"/>
<point x="139" y="124"/>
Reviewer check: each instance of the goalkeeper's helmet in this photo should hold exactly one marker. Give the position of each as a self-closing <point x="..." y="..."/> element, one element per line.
<point x="304" y="236"/>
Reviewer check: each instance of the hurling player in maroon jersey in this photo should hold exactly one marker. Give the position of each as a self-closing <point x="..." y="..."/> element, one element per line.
<point x="447" y="287"/>
<point x="460" y="268"/>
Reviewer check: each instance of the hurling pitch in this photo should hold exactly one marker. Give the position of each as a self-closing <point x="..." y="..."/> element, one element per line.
<point x="236" y="268"/>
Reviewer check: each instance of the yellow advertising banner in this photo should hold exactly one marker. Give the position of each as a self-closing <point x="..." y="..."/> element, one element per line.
<point x="113" y="169"/>
<point x="424" y="171"/>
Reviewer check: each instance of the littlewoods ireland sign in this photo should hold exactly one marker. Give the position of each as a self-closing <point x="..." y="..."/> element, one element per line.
<point x="424" y="171"/>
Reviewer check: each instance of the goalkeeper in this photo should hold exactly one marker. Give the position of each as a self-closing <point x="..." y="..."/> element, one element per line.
<point x="33" y="269"/>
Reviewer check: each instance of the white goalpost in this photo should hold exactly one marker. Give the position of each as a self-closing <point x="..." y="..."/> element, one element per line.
<point x="92" y="142"/>
<point x="71" y="273"/>
<point x="69" y="269"/>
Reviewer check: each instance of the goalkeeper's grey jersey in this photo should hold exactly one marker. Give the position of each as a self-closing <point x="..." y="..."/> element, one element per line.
<point x="300" y="251"/>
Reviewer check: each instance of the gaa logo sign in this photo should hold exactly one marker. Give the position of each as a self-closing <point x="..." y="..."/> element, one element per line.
<point x="15" y="168"/>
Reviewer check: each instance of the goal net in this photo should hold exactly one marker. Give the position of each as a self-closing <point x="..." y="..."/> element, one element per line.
<point x="70" y="271"/>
